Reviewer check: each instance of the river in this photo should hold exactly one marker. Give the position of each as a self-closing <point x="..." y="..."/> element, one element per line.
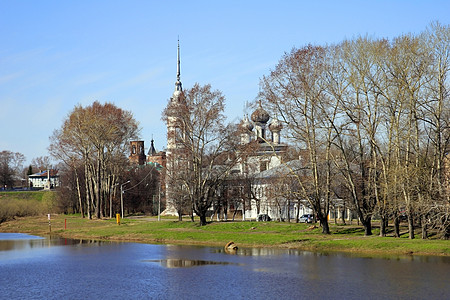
<point x="53" y="268"/>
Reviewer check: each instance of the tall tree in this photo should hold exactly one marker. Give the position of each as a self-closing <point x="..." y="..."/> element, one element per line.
<point x="10" y="167"/>
<point x="295" y="91"/>
<point x="98" y="136"/>
<point x="436" y="116"/>
<point x="377" y="111"/>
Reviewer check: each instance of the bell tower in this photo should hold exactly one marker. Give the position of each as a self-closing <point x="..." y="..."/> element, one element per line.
<point x="173" y="134"/>
<point x="174" y="104"/>
<point x="137" y="155"/>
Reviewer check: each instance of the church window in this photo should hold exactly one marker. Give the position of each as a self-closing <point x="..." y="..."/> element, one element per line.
<point x="263" y="166"/>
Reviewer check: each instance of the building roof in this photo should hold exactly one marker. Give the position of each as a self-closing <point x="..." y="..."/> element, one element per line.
<point x="53" y="173"/>
<point x="152" y="151"/>
<point x="293" y="166"/>
<point x="260" y="115"/>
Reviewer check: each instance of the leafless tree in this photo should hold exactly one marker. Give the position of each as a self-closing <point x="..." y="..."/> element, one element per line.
<point x="98" y="136"/>
<point x="41" y="163"/>
<point x="295" y="91"/>
<point x="10" y="167"/>
<point x="377" y="112"/>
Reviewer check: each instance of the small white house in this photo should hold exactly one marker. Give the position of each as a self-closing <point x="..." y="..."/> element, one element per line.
<point x="47" y="179"/>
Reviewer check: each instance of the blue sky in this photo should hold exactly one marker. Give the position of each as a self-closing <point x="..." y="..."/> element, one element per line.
<point x="57" y="54"/>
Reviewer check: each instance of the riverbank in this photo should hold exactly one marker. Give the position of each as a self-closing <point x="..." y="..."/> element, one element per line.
<point x="344" y="238"/>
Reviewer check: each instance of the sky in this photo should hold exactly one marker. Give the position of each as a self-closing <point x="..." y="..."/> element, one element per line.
<point x="55" y="55"/>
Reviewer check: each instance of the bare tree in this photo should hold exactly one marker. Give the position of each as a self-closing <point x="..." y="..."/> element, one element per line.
<point x="435" y="117"/>
<point x="295" y="91"/>
<point x="357" y="137"/>
<point x="377" y="111"/>
<point x="10" y="167"/>
<point x="98" y="136"/>
<point x="41" y="163"/>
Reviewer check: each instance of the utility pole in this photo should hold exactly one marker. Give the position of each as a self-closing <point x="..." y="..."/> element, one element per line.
<point x="121" y="196"/>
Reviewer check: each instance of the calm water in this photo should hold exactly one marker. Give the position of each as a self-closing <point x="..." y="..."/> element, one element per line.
<point x="37" y="268"/>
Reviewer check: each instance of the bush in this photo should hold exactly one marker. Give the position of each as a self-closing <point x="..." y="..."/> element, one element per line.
<point x="23" y="204"/>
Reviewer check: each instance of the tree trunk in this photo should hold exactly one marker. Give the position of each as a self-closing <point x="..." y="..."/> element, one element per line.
<point x="234" y="214"/>
<point x="88" y="192"/>
<point x="216" y="212"/>
<point x="202" y="219"/>
<point x="98" y="189"/>
<point x="280" y="213"/>
<point x="289" y="212"/>
<point x="424" y="226"/>
<point x="368" y="229"/>
<point x="192" y="212"/>
<point x="343" y="215"/>
<point x="323" y="220"/>
<point x="367" y="223"/>
<point x="325" y="226"/>
<point x="225" y="212"/>
<point x="383" y="225"/>
<point x="411" y="226"/>
<point x="80" y="201"/>
<point x="396" y="226"/>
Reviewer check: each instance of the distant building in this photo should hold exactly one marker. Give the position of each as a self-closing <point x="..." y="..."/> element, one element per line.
<point x="47" y="179"/>
<point x="154" y="158"/>
<point x="158" y="159"/>
<point x="262" y="166"/>
<point x="137" y="155"/>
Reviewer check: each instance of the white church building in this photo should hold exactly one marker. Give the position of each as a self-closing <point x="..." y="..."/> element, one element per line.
<point x="262" y="167"/>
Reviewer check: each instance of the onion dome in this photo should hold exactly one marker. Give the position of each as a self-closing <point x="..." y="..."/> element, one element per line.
<point x="260" y="115"/>
<point x="246" y="124"/>
<point x="275" y="126"/>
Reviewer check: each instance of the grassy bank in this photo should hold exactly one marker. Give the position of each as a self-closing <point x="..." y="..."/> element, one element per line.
<point x="25" y="203"/>
<point x="245" y="234"/>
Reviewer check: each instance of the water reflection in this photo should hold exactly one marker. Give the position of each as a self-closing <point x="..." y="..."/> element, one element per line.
<point x="57" y="268"/>
<point x="185" y="263"/>
<point x="20" y="241"/>
<point x="258" y="251"/>
<point x="5" y="236"/>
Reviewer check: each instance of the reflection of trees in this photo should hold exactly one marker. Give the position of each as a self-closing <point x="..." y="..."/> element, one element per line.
<point x="185" y="263"/>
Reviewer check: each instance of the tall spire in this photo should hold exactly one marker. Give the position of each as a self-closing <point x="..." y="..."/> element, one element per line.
<point x="178" y="60"/>
<point x="178" y="87"/>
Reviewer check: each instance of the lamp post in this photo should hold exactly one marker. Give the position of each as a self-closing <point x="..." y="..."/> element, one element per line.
<point x="121" y="196"/>
<point x="110" y="200"/>
<point x="159" y="203"/>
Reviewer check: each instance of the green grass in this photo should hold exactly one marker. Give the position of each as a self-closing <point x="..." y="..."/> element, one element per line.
<point x="24" y="195"/>
<point x="348" y="238"/>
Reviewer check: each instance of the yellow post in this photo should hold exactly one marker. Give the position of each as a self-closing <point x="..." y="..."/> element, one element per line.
<point x="118" y="218"/>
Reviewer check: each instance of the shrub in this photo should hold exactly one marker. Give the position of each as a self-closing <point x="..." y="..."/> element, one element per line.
<point x="17" y="204"/>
